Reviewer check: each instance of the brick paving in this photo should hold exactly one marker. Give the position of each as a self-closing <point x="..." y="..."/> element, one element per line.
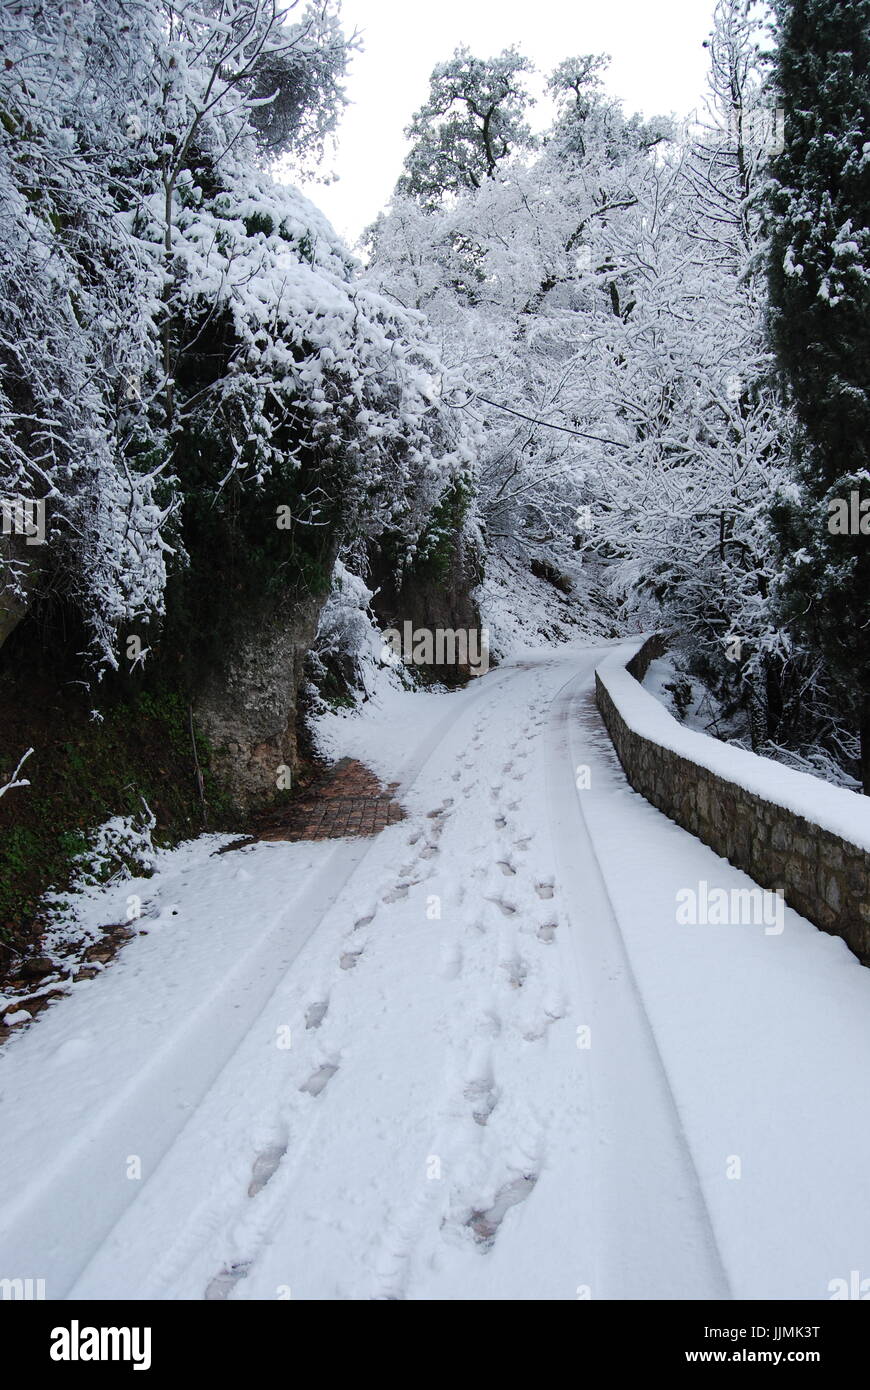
<point x="348" y="800"/>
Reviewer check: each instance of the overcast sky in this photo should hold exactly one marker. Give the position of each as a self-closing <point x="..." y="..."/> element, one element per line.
<point x="658" y="67"/>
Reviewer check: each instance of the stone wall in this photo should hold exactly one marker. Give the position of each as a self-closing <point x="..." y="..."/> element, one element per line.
<point x="823" y="877"/>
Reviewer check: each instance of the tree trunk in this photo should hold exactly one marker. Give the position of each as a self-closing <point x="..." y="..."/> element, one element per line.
<point x="758" y="715"/>
<point x="865" y="744"/>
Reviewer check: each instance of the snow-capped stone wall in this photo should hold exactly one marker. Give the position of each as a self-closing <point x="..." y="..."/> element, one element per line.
<point x="786" y="829"/>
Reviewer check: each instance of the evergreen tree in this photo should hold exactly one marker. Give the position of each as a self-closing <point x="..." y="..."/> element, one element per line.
<point x="819" y="275"/>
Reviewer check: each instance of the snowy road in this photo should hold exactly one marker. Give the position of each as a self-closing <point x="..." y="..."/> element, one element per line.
<point x="475" y="1057"/>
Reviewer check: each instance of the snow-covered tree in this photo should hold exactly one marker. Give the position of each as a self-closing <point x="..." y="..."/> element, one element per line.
<point x="819" y="276"/>
<point x="471" y="123"/>
<point x="506" y="273"/>
<point x="182" y="337"/>
<point x="685" y="504"/>
<point x="604" y="300"/>
<point x="74" y="340"/>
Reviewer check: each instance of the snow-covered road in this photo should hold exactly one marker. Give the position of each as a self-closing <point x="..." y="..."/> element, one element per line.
<point x="474" y="1057"/>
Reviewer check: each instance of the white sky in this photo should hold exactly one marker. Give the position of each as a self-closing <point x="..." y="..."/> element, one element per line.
<point x="658" y="67"/>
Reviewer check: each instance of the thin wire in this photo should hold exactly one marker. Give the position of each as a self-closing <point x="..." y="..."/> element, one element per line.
<point x="599" y="439"/>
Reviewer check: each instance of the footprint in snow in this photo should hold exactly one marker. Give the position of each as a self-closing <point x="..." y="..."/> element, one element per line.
<point x="483" y="1097"/>
<point x="507" y="909"/>
<point x="319" y="1079"/>
<point x="485" y="1222"/>
<point x="316" y="1013"/>
<point x="401" y="890"/>
<point x="517" y="971"/>
<point x="551" y="1016"/>
<point x="222" y="1285"/>
<point x="265" y="1167"/>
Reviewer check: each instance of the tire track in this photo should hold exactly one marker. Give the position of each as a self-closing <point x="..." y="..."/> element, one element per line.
<point x="649" y="1197"/>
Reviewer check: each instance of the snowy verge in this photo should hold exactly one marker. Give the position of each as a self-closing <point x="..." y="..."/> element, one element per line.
<point x="834" y="809"/>
<point x="521" y="611"/>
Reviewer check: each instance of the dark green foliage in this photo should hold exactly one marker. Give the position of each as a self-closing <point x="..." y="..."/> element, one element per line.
<point x="237" y="560"/>
<point x="437" y="549"/>
<point x="84" y="771"/>
<point x="818" y="218"/>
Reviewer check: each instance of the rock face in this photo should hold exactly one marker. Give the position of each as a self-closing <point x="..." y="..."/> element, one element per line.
<point x="247" y="707"/>
<point x="823" y="877"/>
<point x="431" y="599"/>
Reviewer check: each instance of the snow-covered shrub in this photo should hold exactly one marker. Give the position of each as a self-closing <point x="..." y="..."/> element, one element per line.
<point x="120" y="848"/>
<point x="346" y="632"/>
<point x="115" y="854"/>
<point x="347" y="658"/>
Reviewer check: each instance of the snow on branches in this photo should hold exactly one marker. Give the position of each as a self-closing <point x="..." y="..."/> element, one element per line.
<point x="155" y="280"/>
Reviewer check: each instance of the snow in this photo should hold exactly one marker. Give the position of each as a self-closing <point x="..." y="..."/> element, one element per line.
<point x="660" y="674"/>
<point x="831" y="808"/>
<point x="303" y="334"/>
<point x="359" y="1069"/>
<point x="519" y="608"/>
<point x="480" y="1055"/>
